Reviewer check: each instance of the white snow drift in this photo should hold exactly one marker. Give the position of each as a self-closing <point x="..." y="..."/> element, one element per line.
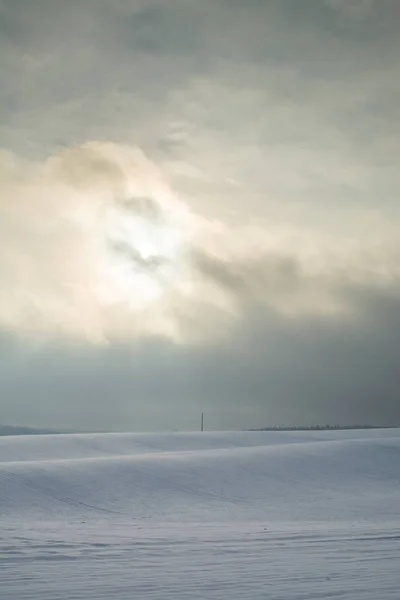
<point x="215" y="515"/>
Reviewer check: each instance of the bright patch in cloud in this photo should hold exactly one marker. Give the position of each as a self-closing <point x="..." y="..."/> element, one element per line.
<point x="95" y="245"/>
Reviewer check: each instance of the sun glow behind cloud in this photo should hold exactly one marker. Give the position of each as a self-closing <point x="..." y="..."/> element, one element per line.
<point x="247" y="205"/>
<point x="94" y="244"/>
<point x="144" y="252"/>
<point x="93" y="238"/>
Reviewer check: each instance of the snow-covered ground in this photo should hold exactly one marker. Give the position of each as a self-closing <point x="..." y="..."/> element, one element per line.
<point x="249" y="515"/>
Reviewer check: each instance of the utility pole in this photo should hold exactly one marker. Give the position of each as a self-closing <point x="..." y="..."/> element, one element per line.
<point x="202" y="422"/>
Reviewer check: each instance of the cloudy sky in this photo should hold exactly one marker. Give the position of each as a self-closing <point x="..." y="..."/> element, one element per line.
<point x="199" y="211"/>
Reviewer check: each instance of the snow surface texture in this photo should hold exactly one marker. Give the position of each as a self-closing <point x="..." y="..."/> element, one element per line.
<point x="249" y="515"/>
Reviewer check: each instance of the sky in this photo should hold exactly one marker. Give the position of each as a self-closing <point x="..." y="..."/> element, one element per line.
<point x="199" y="213"/>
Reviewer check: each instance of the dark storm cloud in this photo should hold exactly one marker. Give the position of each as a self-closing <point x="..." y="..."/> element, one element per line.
<point x="268" y="371"/>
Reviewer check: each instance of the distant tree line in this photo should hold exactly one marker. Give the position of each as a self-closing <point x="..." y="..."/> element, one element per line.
<point x="319" y="427"/>
<point x="12" y="430"/>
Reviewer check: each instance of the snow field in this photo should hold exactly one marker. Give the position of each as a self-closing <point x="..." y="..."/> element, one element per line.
<point x="280" y="515"/>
